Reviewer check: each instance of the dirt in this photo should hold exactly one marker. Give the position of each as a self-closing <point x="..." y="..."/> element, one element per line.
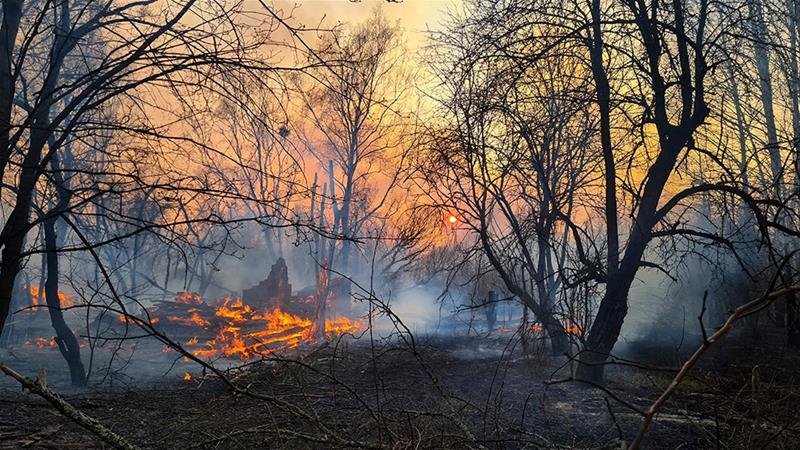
<point x="442" y="393"/>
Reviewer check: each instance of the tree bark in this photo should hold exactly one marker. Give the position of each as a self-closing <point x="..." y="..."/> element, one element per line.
<point x="792" y="301"/>
<point x="12" y="13"/>
<point x="67" y="342"/>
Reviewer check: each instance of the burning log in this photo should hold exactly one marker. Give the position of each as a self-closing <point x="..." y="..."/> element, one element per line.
<point x="186" y="314"/>
<point x="267" y="318"/>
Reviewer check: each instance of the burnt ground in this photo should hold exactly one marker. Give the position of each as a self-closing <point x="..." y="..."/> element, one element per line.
<point x="446" y="393"/>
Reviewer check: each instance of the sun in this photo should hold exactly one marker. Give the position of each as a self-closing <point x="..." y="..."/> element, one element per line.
<point x="452" y="219"/>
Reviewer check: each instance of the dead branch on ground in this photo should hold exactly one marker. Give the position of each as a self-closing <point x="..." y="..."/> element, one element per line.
<point x="39" y="387"/>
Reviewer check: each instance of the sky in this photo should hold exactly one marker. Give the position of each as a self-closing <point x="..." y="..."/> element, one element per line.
<point x="415" y="16"/>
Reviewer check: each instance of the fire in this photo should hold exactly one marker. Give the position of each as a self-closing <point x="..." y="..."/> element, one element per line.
<point x="237" y="330"/>
<point x="187" y="376"/>
<point x="235" y="310"/>
<point x="246" y="333"/>
<point x="194" y="319"/>
<point x="64" y="300"/>
<point x="41" y="343"/>
<point x="277" y="327"/>
<point x="341" y="325"/>
<point x="122" y="318"/>
<point x="189" y="298"/>
<point x="568" y="328"/>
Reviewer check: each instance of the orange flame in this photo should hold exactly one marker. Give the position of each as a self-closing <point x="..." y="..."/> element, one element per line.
<point x="234" y="310"/>
<point x="569" y="329"/>
<point x="194" y="319"/>
<point x="242" y="337"/>
<point x="189" y="298"/>
<point x="64" y="300"/>
<point x="122" y="318"/>
<point x="41" y="343"/>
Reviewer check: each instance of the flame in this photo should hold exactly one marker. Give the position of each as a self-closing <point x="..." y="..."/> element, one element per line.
<point x="234" y="310"/>
<point x="231" y="342"/>
<point x="41" y="343"/>
<point x="194" y="319"/>
<point x="122" y="318"/>
<point x="64" y="300"/>
<point x="189" y="298"/>
<point x="249" y="334"/>
<point x="240" y="331"/>
<point x="341" y="325"/>
<point x="568" y="328"/>
<point x="187" y="376"/>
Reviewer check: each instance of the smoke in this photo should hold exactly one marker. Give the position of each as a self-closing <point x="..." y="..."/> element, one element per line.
<point x="665" y="309"/>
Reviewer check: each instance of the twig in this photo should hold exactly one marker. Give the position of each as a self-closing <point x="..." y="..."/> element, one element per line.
<point x="39" y="387"/>
<point x="739" y="313"/>
<point x="614" y="418"/>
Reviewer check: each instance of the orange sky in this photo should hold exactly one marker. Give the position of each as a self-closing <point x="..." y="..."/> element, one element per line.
<point x="415" y="16"/>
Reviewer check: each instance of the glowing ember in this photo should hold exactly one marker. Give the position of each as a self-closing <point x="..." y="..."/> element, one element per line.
<point x="41" y="343"/>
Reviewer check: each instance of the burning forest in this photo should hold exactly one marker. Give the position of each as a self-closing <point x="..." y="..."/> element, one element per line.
<point x="399" y="224"/>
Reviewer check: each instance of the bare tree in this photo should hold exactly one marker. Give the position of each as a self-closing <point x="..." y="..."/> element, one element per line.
<point x="359" y="128"/>
<point x="520" y="146"/>
<point x="651" y="67"/>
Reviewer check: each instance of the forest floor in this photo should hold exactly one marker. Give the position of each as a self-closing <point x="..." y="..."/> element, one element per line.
<point x="445" y="393"/>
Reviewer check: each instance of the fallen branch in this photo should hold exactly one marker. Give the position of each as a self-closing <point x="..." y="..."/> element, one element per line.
<point x="739" y="313"/>
<point x="39" y="387"/>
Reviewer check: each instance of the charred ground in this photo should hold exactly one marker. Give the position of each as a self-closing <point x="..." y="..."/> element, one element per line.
<point x="473" y="392"/>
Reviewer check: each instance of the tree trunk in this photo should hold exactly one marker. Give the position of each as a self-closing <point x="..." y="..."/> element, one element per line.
<point x="792" y="301"/>
<point x="318" y="324"/>
<point x="15" y="230"/>
<point x="67" y="342"/>
<point x="12" y="13"/>
<point x="793" y="320"/>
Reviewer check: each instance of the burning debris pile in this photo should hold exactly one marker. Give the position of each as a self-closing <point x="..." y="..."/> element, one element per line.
<point x="267" y="318"/>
